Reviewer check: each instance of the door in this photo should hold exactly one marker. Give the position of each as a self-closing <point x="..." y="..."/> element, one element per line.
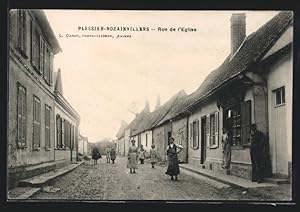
<point x="203" y="140"/>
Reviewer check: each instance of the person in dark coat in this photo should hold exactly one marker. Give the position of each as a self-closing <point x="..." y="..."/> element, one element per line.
<point x="95" y="154"/>
<point x="113" y="155"/>
<point x="257" y="146"/>
<point x="172" y="153"/>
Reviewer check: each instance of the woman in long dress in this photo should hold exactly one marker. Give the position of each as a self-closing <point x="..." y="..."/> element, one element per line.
<point x="172" y="152"/>
<point x="153" y="155"/>
<point x="132" y="157"/>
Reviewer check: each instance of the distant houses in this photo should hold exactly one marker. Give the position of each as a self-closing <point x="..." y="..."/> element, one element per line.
<point x="83" y="146"/>
<point x="252" y="86"/>
<point x="121" y="138"/>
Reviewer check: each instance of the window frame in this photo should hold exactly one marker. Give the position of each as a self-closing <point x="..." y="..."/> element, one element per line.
<point x="282" y="96"/>
<point x="194" y="139"/>
<point x="216" y="133"/>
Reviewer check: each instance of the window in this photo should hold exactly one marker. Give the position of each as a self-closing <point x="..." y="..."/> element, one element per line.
<point x="194" y="134"/>
<point x="47" y="127"/>
<point x="22" y="114"/>
<point x="279" y="96"/>
<point x="36" y="123"/>
<point x="212" y="127"/>
<point x="35" y="48"/>
<point x="22" y="33"/>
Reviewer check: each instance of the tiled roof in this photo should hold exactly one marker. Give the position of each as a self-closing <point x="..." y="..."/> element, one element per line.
<point x="181" y="102"/>
<point x="254" y="47"/>
<point x="146" y="121"/>
<point x="121" y="131"/>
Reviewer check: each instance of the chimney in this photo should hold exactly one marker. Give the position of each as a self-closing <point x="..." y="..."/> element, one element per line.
<point x="238" y="30"/>
<point x="157" y="102"/>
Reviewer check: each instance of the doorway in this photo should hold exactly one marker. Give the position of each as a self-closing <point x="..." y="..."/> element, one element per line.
<point x="203" y="140"/>
<point x="169" y="136"/>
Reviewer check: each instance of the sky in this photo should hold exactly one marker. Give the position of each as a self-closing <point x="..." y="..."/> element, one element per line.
<point x="105" y="78"/>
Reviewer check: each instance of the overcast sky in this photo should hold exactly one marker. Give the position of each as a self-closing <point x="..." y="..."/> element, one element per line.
<point x="103" y="77"/>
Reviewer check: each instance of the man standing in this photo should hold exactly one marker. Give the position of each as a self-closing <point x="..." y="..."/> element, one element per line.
<point x="257" y="140"/>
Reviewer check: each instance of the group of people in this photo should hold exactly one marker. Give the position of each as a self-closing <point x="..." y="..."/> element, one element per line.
<point x="257" y="144"/>
<point x="172" y="152"/>
<point x="109" y="151"/>
<point x="134" y="154"/>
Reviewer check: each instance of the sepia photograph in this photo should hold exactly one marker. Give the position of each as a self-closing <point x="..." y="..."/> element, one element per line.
<point x="138" y="105"/>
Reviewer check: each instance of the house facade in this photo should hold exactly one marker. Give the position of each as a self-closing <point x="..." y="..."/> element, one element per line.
<point x="66" y="124"/>
<point x="252" y="86"/>
<point x="83" y="144"/>
<point x="171" y="125"/>
<point x="121" y="138"/>
<point x="31" y="101"/>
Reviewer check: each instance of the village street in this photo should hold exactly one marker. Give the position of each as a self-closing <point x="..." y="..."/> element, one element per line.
<point x="106" y="181"/>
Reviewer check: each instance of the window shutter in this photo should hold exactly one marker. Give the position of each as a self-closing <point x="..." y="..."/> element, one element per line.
<point x="51" y="68"/>
<point x="35" y="47"/>
<point x="46" y="64"/>
<point x="24" y="116"/>
<point x="36" y="122"/>
<point x="245" y="120"/>
<point x="197" y="133"/>
<point x="20" y="113"/>
<point x="217" y="128"/>
<point x="23" y="29"/>
<point x="41" y="55"/>
<point x="13" y="27"/>
<point x="191" y="134"/>
<point x="208" y="140"/>
<point x="47" y="126"/>
<point x="62" y="133"/>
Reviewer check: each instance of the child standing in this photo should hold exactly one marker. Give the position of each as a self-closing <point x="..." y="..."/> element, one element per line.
<point x="142" y="154"/>
<point x="153" y="155"/>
